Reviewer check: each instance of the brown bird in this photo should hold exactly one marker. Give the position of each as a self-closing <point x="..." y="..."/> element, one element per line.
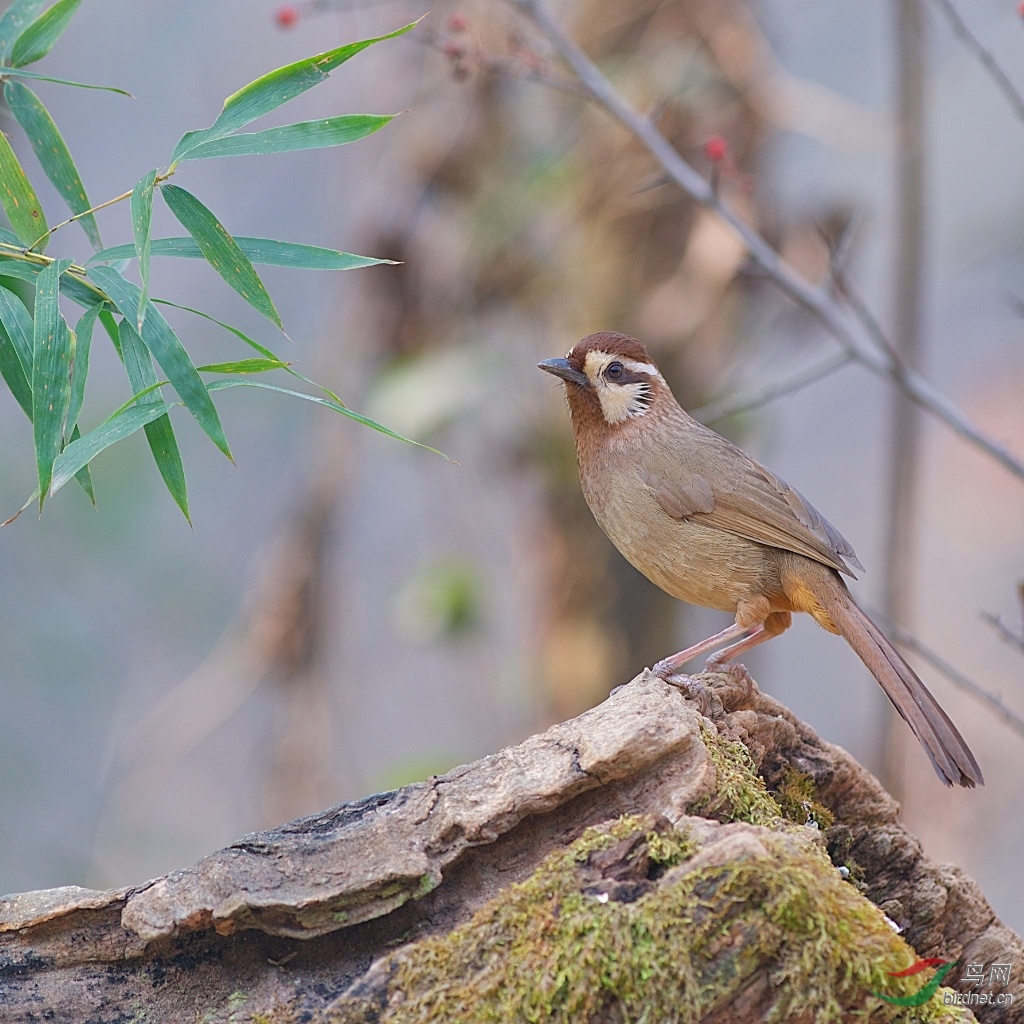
<point x="711" y="526"/>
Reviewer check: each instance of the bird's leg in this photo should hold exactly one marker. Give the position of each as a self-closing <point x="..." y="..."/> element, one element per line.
<point x="671" y="665"/>
<point x="726" y="654"/>
<point x="773" y="625"/>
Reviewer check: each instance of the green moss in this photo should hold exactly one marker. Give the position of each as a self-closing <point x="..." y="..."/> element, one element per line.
<point x="797" y="797"/>
<point x="740" y="793"/>
<point x="556" y="948"/>
<point x="669" y="848"/>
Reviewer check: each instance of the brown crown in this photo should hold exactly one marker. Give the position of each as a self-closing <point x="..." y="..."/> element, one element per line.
<point x="608" y="341"/>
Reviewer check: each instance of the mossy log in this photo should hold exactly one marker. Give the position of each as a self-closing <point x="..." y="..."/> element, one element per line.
<point x="661" y="857"/>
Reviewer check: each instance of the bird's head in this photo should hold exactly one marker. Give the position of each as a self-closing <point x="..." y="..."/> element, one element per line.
<point x="610" y="381"/>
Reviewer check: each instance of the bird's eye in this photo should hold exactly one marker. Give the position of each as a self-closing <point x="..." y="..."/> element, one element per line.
<point x="614" y="371"/>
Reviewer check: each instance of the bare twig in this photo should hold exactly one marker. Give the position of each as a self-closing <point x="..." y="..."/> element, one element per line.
<point x="907" y="639"/>
<point x="731" y="405"/>
<point x="814" y="298"/>
<point x="985" y="58"/>
<point x="466" y="56"/>
<point x="1004" y="631"/>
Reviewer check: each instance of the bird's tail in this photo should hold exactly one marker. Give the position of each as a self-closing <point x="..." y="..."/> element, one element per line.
<point x="945" y="747"/>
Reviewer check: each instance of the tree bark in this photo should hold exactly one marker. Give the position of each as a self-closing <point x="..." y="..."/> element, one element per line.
<point x="697" y="856"/>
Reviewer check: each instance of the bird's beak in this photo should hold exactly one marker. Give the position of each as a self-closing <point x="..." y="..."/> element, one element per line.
<point x="561" y="368"/>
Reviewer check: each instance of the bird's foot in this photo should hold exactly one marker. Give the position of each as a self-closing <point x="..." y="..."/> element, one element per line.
<point x="668" y="668"/>
<point x="694" y="690"/>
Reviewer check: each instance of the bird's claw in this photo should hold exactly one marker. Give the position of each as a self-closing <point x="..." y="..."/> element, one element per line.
<point x="694" y="689"/>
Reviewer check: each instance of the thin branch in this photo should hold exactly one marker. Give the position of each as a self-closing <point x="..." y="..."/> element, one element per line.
<point x="732" y="405"/>
<point x="812" y="297"/>
<point x="1004" y="631"/>
<point x="466" y="56"/>
<point x="985" y="58"/>
<point x="93" y="209"/>
<point x="937" y="662"/>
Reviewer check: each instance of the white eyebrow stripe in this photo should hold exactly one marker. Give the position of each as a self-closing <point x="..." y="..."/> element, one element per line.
<point x="649" y="368"/>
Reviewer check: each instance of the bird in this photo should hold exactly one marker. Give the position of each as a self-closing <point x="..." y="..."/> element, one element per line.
<point x="711" y="526"/>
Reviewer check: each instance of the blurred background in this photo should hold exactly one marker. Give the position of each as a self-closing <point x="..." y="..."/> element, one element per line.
<point x="349" y="613"/>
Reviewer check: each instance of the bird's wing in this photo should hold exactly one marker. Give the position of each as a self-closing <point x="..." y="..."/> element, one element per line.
<point x="723" y="487"/>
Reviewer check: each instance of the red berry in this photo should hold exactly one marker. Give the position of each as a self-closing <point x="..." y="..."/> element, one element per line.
<point x="715" y="149"/>
<point x="1020" y="8"/>
<point x="286" y="16"/>
<point x="453" y="50"/>
<point x="457" y="23"/>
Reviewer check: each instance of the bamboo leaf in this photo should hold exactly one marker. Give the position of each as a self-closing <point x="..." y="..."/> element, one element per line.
<point x="219" y="385"/>
<point x="241" y="335"/>
<point x="53" y="352"/>
<point x="81" y="452"/>
<point x="74" y="287"/>
<point x="36" y="41"/>
<point x="142" y="217"/>
<point x="15" y="18"/>
<point x="19" y="199"/>
<point x="12" y="369"/>
<point x="168" y="351"/>
<point x="80" y="370"/>
<point x="160" y="434"/>
<point x="8" y="72"/>
<point x="244" y="366"/>
<point x="322" y="134"/>
<point x="80" y="291"/>
<point x="221" y="250"/>
<point x="17" y="323"/>
<point x="262" y="349"/>
<point x="52" y="153"/>
<point x="258" y="250"/>
<point x="269" y="91"/>
<point x="83" y="476"/>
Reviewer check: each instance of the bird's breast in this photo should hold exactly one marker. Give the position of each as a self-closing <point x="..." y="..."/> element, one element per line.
<point x="696" y="563"/>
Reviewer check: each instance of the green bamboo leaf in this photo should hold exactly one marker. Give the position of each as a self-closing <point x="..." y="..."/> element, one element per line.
<point x="8" y="72"/>
<point x="142" y="217"/>
<point x="160" y="434"/>
<point x="219" y="385"/>
<point x="110" y="326"/>
<point x="17" y="323"/>
<point x="52" y="153"/>
<point x="53" y="352"/>
<point x="71" y="285"/>
<point x="322" y="134"/>
<point x="19" y="199"/>
<point x="258" y="250"/>
<point x="12" y="369"/>
<point x="244" y="366"/>
<point x="241" y="335"/>
<point x="80" y="291"/>
<point x="271" y="90"/>
<point x="21" y="269"/>
<point x="262" y="349"/>
<point x="221" y="250"/>
<point x="116" y="428"/>
<point x="168" y="350"/>
<point x="36" y="41"/>
<point x="80" y="370"/>
<point x="9" y="239"/>
<point x="83" y="476"/>
<point x="15" y="18"/>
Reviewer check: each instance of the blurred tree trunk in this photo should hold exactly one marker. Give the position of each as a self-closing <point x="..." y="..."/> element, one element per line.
<point x="908" y="312"/>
